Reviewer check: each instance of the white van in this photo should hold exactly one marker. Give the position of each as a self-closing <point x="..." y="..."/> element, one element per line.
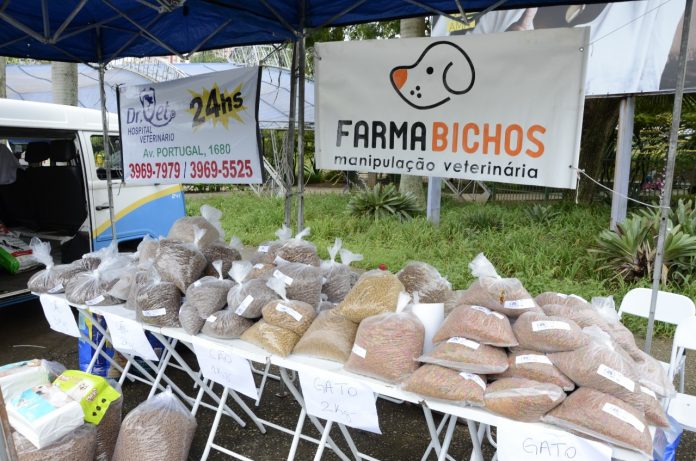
<point x="60" y="192"/>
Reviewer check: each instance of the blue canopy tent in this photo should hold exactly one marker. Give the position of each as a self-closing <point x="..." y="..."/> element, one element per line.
<point x="99" y="31"/>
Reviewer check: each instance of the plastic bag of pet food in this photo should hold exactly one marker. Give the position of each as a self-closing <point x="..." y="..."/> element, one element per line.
<point x="15" y="254"/>
<point x="467" y="355"/>
<point x="147" y="249"/>
<point x="522" y="399"/>
<point x="184" y="229"/>
<point x="446" y="384"/>
<point x="92" y="288"/>
<point x="330" y="336"/>
<point x="424" y="279"/>
<point x="78" y="445"/>
<point x="276" y="340"/>
<point x="523" y="363"/>
<point x="338" y="277"/>
<point x="539" y="332"/>
<point x="478" y="323"/>
<point x="454" y="300"/>
<point x="160" y="428"/>
<point x="181" y="263"/>
<point x="110" y="426"/>
<point x="552" y="297"/>
<point x="603" y="417"/>
<point x="209" y="294"/>
<point x="94" y="394"/>
<point x="158" y="303"/>
<point x="619" y="333"/>
<point x="248" y="296"/>
<point x="225" y="253"/>
<point x="376" y="292"/>
<point x="190" y="320"/>
<point x="584" y="316"/>
<point x="292" y="315"/>
<point x="387" y="345"/>
<point x="652" y="375"/>
<point x="504" y="295"/>
<point x="298" y="250"/>
<point x="225" y="324"/>
<point x="302" y="281"/>
<point x="54" y="277"/>
<point x="261" y="271"/>
<point x="266" y="252"/>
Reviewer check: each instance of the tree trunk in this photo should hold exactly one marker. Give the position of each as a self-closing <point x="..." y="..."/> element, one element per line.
<point x="3" y="77"/>
<point x="598" y="126"/>
<point x="64" y="78"/>
<point x="413" y="27"/>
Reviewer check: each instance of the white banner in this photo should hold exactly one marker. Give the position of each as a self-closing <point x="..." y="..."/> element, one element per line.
<point x="200" y="129"/>
<point x="503" y="108"/>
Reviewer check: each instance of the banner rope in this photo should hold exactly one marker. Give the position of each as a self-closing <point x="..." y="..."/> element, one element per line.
<point x="581" y="172"/>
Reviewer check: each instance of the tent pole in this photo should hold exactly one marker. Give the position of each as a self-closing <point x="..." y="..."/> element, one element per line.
<point x="665" y="200"/>
<point x="107" y="151"/>
<point x="289" y="166"/>
<point x="301" y="121"/>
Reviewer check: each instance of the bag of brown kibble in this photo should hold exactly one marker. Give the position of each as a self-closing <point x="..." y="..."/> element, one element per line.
<point x="446" y="384"/>
<point x="539" y="332"/>
<point x="248" y="296"/>
<point x="92" y="288"/>
<point x="184" y="229"/>
<point x="376" y="292"/>
<point x="464" y="354"/>
<point x="275" y="340"/>
<point x="222" y="252"/>
<point x="78" y="445"/>
<point x="504" y="295"/>
<point x="523" y="363"/>
<point x="181" y="263"/>
<point x="266" y="252"/>
<point x="338" y="277"/>
<point x="522" y="399"/>
<point x="292" y="315"/>
<point x="478" y="323"/>
<point x="225" y="324"/>
<point x="298" y="250"/>
<point x="209" y="294"/>
<point x="424" y="279"/>
<point x="552" y="297"/>
<point x="330" y="336"/>
<point x="302" y="281"/>
<point x="158" y="303"/>
<point x="190" y="320"/>
<point x="603" y="417"/>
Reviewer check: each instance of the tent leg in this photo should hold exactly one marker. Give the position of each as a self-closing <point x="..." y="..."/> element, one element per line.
<point x="622" y="167"/>
<point x="107" y="151"/>
<point x="666" y="198"/>
<point x="289" y="166"/>
<point x="301" y="120"/>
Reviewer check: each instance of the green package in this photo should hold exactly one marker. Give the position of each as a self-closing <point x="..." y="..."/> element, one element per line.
<point x="93" y="392"/>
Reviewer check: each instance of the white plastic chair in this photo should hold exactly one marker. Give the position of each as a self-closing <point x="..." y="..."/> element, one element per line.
<point x="683" y="406"/>
<point x="671" y="308"/>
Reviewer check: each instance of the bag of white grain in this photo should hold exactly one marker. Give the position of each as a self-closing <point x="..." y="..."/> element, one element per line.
<point x="158" y="302"/>
<point x="275" y="340"/>
<point x="209" y="294"/>
<point x="160" y="428"/>
<point x="330" y="336"/>
<point x="387" y="345"/>
<point x="298" y="250"/>
<point x="523" y="363"/>
<point x="225" y="324"/>
<point x="248" y="296"/>
<point x="78" y="445"/>
<point x="375" y="292"/>
<point x="522" y="399"/>
<point x="292" y="315"/>
<point x="92" y="288"/>
<point x="504" y="295"/>
<point x="466" y="355"/>
<point x="266" y="252"/>
<point x="302" y="281"/>
<point x="181" y="263"/>
<point x="338" y="277"/>
<point x="446" y="384"/>
<point x="478" y="323"/>
<point x="602" y="417"/>
<point x="184" y="229"/>
<point x="539" y="332"/>
<point x="222" y="252"/>
<point x="424" y="279"/>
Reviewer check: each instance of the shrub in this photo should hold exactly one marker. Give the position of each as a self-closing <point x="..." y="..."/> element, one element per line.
<point x="384" y="201"/>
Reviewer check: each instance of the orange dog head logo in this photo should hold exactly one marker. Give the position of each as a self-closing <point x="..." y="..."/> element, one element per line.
<point x="443" y="70"/>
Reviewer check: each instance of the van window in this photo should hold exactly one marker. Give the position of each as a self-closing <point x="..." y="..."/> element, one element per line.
<point x="100" y="159"/>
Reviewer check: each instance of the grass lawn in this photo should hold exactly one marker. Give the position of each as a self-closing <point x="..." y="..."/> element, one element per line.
<point x="545" y="257"/>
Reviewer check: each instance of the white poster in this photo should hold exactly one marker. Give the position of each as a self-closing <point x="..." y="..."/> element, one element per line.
<point x="503" y="108"/>
<point x="200" y="129"/>
<point x="128" y="337"/>
<point x="220" y="365"/>
<point x="59" y="315"/>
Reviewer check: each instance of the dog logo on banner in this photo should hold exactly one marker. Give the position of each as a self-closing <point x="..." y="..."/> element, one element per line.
<point x="442" y="71"/>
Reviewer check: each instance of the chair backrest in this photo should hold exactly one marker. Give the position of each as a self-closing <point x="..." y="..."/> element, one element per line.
<point x="670" y="308"/>
<point x="684" y="338"/>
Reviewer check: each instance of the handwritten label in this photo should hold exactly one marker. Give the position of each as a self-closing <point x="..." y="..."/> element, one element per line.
<point x="94" y="301"/>
<point x="339" y="399"/>
<point x="527" y="303"/>
<point x="533" y="442"/>
<point x="475" y="378"/>
<point x="279" y="275"/>
<point x="290" y="311"/>
<point x="128" y="337"/>
<point x="155" y="312"/>
<point x="617" y="377"/>
<point x="359" y="351"/>
<point x="464" y="342"/>
<point x="56" y="289"/>
<point x="623" y="415"/>
<point x="487" y="311"/>
<point x="243" y="305"/>
<point x="532" y="358"/>
<point x="263" y="248"/>
<point x="59" y="315"/>
<point x="543" y="325"/>
<point x="218" y="364"/>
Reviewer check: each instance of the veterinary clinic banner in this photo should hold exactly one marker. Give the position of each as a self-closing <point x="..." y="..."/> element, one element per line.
<point x="200" y="129"/>
<point x="501" y="107"/>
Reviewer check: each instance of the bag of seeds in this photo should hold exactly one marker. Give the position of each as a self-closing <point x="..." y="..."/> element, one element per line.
<point x="446" y="384"/>
<point x="225" y="253"/>
<point x="523" y="363"/>
<point x="302" y="281"/>
<point x="376" y="292"/>
<point x="478" y="323"/>
<point x="190" y="319"/>
<point x="266" y="252"/>
<point x="225" y="324"/>
<point x="297" y="250"/>
<point x="464" y="354"/>
<point x="78" y="445"/>
<point x="603" y="417"/>
<point x="338" y="277"/>
<point x="522" y="399"/>
<point x="275" y="340"/>
<point x="248" y="296"/>
<point x="92" y="288"/>
<point x="54" y="277"/>
<point x="160" y="428"/>
<point x="506" y="296"/>
<point x="330" y="336"/>
<point x="292" y="315"/>
<point x="539" y="332"/>
<point x="424" y="279"/>
<point x="184" y="229"/>
<point x="209" y="294"/>
<point x="158" y="303"/>
<point x="181" y="263"/>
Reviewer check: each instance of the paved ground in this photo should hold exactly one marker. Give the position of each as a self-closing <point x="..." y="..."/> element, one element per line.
<point x="24" y="334"/>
